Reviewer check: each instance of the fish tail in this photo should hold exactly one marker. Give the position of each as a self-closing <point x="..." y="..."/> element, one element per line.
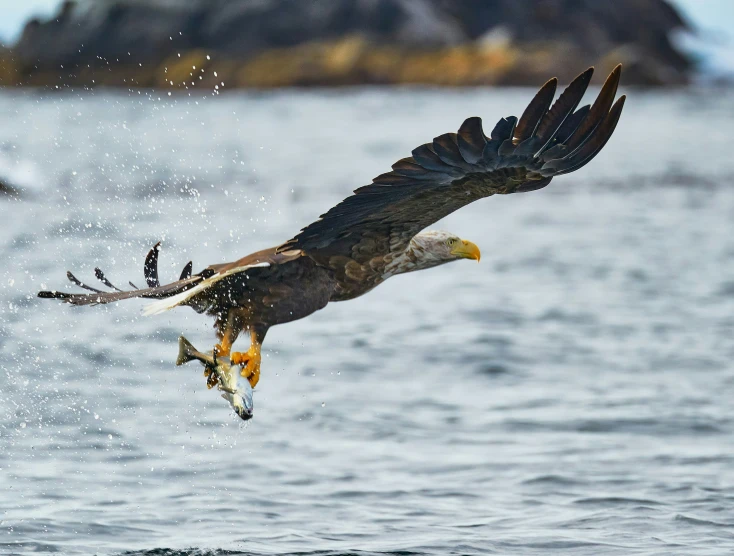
<point x="186" y="351"/>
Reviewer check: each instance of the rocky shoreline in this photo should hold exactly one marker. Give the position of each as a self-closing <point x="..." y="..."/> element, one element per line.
<point x="283" y="43"/>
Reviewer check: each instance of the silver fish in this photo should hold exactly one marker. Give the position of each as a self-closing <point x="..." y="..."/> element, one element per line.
<point x="239" y="398"/>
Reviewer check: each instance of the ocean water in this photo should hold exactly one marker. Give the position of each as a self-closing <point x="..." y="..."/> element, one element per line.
<point x="570" y="394"/>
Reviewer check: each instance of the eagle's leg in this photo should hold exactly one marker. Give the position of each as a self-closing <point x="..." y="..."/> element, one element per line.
<point x="228" y="328"/>
<point x="250" y="360"/>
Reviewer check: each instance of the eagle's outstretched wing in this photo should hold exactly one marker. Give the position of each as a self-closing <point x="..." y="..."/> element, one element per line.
<point x="154" y="290"/>
<point x="216" y="282"/>
<point x="459" y="168"/>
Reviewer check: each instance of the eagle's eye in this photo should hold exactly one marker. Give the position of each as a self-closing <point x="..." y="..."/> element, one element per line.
<point x="450" y="242"/>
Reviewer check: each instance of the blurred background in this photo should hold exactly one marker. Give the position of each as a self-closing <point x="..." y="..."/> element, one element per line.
<point x="571" y="394"/>
<point x="276" y="43"/>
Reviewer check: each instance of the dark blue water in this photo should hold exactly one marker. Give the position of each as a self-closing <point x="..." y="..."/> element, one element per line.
<point x="571" y="394"/>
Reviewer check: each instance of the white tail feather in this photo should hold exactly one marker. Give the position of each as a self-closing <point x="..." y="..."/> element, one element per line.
<point x="167" y="303"/>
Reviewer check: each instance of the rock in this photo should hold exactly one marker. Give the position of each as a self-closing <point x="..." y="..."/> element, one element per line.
<point x="266" y="43"/>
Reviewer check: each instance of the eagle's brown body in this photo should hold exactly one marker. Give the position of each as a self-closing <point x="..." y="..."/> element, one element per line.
<point x="377" y="232"/>
<point x="292" y="287"/>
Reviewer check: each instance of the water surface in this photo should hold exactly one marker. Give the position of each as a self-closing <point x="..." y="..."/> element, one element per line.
<point x="571" y="394"/>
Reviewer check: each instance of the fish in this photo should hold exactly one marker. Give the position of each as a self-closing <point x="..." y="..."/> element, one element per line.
<point x="226" y="377"/>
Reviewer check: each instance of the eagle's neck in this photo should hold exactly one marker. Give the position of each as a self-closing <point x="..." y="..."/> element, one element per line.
<point x="416" y="256"/>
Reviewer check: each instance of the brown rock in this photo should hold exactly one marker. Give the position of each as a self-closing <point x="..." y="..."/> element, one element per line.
<point x="274" y="43"/>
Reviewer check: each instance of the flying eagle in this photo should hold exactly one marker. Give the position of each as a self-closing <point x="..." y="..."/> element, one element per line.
<point x="379" y="231"/>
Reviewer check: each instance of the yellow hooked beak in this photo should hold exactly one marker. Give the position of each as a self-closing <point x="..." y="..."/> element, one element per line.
<point x="467" y="250"/>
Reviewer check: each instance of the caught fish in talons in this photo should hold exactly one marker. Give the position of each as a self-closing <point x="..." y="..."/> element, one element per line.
<point x="222" y="374"/>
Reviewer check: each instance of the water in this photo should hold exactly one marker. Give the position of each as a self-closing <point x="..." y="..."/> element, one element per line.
<point x="571" y="394"/>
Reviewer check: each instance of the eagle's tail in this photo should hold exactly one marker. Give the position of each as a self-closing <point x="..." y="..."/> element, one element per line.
<point x="154" y="290"/>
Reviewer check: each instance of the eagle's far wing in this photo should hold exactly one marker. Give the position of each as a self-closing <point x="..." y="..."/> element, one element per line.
<point x="459" y="168"/>
<point x="154" y="290"/>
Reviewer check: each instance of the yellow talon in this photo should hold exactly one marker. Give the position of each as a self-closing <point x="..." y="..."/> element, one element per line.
<point x="220" y="350"/>
<point x="250" y="362"/>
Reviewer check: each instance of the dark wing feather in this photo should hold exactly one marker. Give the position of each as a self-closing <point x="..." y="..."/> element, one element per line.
<point x="471" y="140"/>
<point x="456" y="169"/>
<point x="74" y="280"/>
<point x="598" y="112"/>
<point x="425" y="157"/>
<point x="570" y="125"/>
<point x="536" y="110"/>
<point x="150" y="268"/>
<point x="102" y="278"/>
<point x="563" y="107"/>
<point x="591" y="147"/>
<point x="446" y="147"/>
<point x="186" y="272"/>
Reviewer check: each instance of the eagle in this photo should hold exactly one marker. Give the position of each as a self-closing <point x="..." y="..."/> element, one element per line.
<point x="380" y="230"/>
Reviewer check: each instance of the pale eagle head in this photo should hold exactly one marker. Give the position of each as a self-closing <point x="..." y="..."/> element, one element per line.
<point x="443" y="247"/>
<point x="432" y="248"/>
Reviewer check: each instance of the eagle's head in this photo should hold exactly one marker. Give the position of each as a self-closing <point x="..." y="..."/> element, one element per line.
<point x="435" y="247"/>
